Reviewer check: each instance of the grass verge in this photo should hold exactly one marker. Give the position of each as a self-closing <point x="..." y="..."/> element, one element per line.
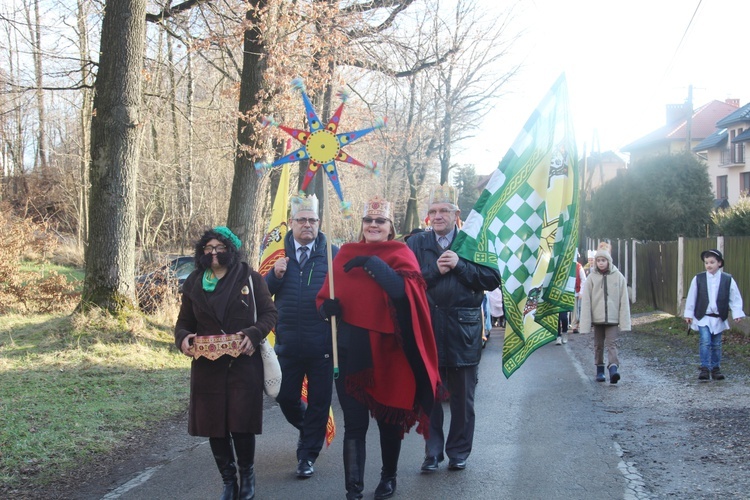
<point x="73" y="387"/>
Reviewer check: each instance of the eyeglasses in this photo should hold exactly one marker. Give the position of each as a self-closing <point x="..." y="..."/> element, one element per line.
<point x="442" y="211"/>
<point x="306" y="220"/>
<point x="379" y="221"/>
<point x="211" y="248"/>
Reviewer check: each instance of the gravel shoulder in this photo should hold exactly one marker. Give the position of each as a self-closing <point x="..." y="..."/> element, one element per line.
<point x="686" y="439"/>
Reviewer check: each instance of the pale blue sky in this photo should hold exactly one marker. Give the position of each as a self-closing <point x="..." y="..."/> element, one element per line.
<point x="623" y="66"/>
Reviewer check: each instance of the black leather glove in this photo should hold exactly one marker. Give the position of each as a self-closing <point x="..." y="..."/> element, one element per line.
<point x="359" y="261"/>
<point x="331" y="307"/>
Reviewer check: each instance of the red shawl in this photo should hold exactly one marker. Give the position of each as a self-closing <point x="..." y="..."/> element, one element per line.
<point x="389" y="386"/>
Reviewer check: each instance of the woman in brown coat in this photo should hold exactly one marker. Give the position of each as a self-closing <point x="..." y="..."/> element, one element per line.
<point x="217" y="327"/>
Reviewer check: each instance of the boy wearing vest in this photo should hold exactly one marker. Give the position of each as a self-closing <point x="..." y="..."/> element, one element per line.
<point x="711" y="296"/>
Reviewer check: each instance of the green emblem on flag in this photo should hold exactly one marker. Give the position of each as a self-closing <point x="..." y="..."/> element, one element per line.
<point x="525" y="223"/>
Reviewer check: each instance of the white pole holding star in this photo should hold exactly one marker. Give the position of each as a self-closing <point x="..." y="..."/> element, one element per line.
<point x="329" y="256"/>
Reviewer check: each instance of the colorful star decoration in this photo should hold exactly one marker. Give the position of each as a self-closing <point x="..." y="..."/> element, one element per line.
<point x="322" y="146"/>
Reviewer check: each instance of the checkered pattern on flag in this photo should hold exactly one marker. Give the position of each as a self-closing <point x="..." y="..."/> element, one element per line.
<point x="525" y="222"/>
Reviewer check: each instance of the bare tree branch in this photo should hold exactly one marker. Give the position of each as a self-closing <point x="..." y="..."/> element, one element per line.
<point x="171" y="11"/>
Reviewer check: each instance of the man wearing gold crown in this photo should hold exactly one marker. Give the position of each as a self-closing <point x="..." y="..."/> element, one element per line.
<point x="303" y="339"/>
<point x="455" y="289"/>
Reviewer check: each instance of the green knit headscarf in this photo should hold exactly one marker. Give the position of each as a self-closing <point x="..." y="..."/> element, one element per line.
<point x="228" y="234"/>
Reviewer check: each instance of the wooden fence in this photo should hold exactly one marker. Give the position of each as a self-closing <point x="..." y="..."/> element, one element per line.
<point x="659" y="272"/>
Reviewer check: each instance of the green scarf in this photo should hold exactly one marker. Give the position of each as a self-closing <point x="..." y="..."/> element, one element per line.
<point x="209" y="280"/>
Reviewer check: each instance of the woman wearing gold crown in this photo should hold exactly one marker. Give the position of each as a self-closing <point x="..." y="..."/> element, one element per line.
<point x="386" y="348"/>
<point x="217" y="327"/>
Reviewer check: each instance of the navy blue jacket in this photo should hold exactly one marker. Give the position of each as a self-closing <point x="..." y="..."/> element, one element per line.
<point x="455" y="302"/>
<point x="300" y="331"/>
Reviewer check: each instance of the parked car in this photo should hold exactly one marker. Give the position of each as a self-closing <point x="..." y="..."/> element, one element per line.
<point x="151" y="288"/>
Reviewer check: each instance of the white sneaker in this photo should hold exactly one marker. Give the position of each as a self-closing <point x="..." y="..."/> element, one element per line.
<point x="565" y="338"/>
<point x="559" y="341"/>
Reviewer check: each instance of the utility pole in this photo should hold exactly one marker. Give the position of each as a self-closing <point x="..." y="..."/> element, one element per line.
<point x="583" y="194"/>
<point x="689" y="119"/>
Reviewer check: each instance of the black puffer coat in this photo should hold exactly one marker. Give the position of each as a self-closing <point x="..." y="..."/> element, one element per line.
<point x="455" y="302"/>
<point x="300" y="331"/>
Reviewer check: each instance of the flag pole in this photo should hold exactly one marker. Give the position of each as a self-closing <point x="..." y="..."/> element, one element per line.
<point x="329" y="255"/>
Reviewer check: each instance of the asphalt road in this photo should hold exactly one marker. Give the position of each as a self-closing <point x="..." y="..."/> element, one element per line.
<point x="539" y="435"/>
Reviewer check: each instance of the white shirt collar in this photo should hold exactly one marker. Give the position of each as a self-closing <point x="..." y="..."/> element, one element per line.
<point x="448" y="236"/>
<point x="298" y="245"/>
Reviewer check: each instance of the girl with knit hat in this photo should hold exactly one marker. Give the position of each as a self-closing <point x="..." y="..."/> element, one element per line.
<point x="605" y="310"/>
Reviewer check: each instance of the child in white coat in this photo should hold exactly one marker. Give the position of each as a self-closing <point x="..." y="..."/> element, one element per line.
<point x="605" y="309"/>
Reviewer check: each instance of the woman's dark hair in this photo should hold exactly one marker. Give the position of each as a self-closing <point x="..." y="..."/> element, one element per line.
<point x="228" y="259"/>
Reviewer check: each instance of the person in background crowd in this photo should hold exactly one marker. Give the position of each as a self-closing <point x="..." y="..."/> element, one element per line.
<point x="605" y="308"/>
<point x="562" y="328"/>
<point x="303" y="339"/>
<point x="386" y="349"/>
<point x="590" y="255"/>
<point x="496" y="307"/>
<point x="216" y="326"/>
<point x="711" y="296"/>
<point x="455" y="289"/>
<point x="580" y="280"/>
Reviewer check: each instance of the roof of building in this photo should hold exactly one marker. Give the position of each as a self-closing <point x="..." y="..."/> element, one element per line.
<point x="606" y="158"/>
<point x="703" y="124"/>
<point x="716" y="139"/>
<point x="744" y="136"/>
<point x="740" y="115"/>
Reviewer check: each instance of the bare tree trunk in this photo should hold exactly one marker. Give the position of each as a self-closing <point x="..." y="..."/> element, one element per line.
<point x="445" y="150"/>
<point x="35" y="38"/>
<point x="85" y="126"/>
<point x="14" y="138"/>
<point x="245" y="185"/>
<point x="186" y="164"/>
<point x="115" y="153"/>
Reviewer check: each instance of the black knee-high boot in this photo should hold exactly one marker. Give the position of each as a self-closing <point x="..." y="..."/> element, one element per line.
<point x="222" y="451"/>
<point x="390" y="449"/>
<point x="244" y="446"/>
<point x="354" y="468"/>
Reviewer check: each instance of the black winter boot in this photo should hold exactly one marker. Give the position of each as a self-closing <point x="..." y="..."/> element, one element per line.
<point x="613" y="375"/>
<point x="354" y="468"/>
<point x="222" y="451"/>
<point x="244" y="445"/>
<point x="387" y="486"/>
<point x="600" y="373"/>
<point x="390" y="449"/>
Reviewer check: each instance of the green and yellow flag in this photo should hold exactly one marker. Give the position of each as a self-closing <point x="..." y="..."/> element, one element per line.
<point x="525" y="223"/>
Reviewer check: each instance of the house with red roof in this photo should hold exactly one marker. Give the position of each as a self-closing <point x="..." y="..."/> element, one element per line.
<point x="683" y="130"/>
<point x="699" y="132"/>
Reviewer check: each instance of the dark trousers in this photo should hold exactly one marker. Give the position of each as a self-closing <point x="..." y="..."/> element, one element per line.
<point x="311" y="418"/>
<point x="357" y="417"/>
<point x="461" y="384"/>
<point x="563" y="323"/>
